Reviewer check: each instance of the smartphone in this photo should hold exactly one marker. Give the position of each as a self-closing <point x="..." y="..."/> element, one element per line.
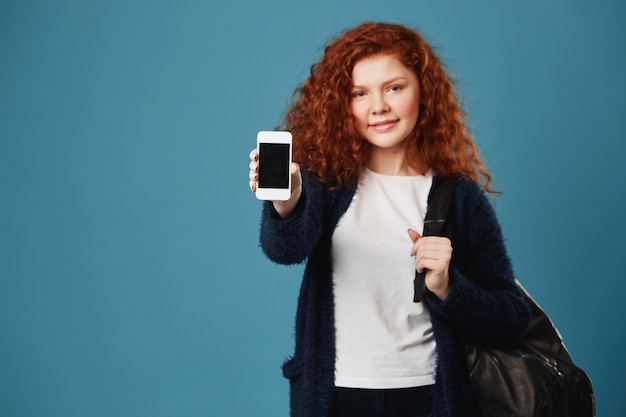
<point x="274" y="181"/>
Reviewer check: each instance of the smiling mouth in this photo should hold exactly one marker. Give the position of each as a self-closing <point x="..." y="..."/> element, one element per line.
<point x="383" y="126"/>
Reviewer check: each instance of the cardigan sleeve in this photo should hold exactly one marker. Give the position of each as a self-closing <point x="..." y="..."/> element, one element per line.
<point x="291" y="240"/>
<point x="484" y="300"/>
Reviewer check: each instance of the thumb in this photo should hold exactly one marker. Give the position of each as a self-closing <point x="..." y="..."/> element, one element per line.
<point x="414" y="235"/>
<point x="296" y="177"/>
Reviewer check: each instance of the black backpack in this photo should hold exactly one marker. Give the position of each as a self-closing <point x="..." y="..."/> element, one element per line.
<point x="535" y="378"/>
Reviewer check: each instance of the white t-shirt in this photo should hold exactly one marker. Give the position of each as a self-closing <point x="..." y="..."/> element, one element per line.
<point x="383" y="338"/>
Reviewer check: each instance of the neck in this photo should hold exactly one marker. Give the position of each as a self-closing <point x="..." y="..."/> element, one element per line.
<point x="392" y="162"/>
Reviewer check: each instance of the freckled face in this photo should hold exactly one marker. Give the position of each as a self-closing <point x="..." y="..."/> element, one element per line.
<point x="385" y="101"/>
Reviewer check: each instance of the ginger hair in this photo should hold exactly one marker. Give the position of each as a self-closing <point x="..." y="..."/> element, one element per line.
<point x="325" y="139"/>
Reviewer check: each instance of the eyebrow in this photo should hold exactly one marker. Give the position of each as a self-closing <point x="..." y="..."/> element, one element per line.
<point x="391" y="81"/>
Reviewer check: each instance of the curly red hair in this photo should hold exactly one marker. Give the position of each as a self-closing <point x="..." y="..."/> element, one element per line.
<point x="325" y="139"/>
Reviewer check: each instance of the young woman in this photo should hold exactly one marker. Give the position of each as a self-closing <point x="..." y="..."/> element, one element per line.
<point x="375" y="125"/>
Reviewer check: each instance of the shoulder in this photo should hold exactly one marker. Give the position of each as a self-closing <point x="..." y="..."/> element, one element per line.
<point x="467" y="191"/>
<point x="326" y="189"/>
<point x="471" y="195"/>
<point x="313" y="183"/>
<point x="468" y="195"/>
<point x="471" y="208"/>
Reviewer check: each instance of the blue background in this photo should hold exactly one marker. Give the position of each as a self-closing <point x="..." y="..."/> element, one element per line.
<point x="131" y="281"/>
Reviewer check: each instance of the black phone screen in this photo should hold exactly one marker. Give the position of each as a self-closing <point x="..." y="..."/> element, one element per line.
<point x="274" y="165"/>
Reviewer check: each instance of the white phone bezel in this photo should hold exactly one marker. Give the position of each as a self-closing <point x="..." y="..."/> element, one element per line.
<point x="266" y="136"/>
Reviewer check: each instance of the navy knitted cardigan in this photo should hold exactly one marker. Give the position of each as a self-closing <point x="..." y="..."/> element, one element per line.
<point x="484" y="302"/>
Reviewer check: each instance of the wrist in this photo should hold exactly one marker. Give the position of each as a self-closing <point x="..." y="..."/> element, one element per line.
<point x="284" y="208"/>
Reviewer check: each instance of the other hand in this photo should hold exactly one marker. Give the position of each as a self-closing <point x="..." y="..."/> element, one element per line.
<point x="433" y="254"/>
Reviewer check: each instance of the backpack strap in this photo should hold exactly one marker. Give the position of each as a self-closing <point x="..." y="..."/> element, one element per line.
<point x="436" y="214"/>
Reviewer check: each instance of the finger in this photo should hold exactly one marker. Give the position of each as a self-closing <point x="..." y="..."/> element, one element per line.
<point x="413" y="235"/>
<point x="296" y="177"/>
<point x="424" y="246"/>
<point x="254" y="169"/>
<point x="432" y="255"/>
<point x="434" y="243"/>
<point x="432" y="264"/>
<point x="254" y="155"/>
<point x="433" y="248"/>
<point x="294" y="168"/>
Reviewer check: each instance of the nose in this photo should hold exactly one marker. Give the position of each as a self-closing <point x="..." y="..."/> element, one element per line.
<point x="380" y="106"/>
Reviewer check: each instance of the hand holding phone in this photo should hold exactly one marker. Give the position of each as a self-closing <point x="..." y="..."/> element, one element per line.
<point x="283" y="207"/>
<point x="273" y="173"/>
